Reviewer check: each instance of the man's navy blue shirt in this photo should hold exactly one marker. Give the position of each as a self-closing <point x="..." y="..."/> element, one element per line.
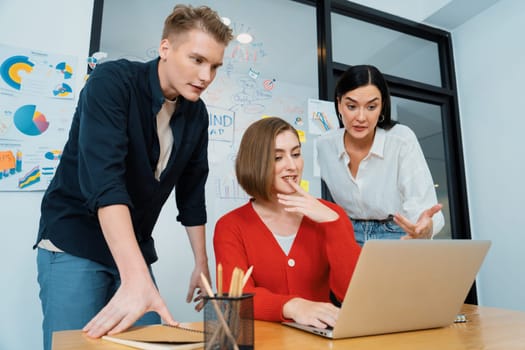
<point x="110" y="158"/>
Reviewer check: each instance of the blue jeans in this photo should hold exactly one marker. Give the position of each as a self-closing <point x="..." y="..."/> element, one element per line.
<point x="73" y="290"/>
<point x="372" y="229"/>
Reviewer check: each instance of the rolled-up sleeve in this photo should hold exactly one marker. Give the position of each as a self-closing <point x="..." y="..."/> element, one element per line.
<point x="102" y="141"/>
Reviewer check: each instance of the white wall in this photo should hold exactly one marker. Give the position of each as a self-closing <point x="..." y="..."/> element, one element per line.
<point x="490" y="68"/>
<point x="414" y="10"/>
<point x="54" y="26"/>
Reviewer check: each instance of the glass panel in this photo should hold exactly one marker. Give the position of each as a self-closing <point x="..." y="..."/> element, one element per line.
<point x="288" y="55"/>
<point x="357" y="42"/>
<point x="275" y="74"/>
<point x="425" y="120"/>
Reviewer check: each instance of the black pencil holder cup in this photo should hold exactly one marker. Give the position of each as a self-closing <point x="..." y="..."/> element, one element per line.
<point x="228" y="322"/>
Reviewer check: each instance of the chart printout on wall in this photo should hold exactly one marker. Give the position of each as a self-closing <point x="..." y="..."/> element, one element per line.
<point x="37" y="97"/>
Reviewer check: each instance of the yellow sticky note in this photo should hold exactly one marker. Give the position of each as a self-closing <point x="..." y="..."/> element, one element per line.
<point x="302" y="136"/>
<point x="305" y="185"/>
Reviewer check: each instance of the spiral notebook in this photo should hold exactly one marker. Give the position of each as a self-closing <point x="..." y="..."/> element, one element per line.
<point x="405" y="285"/>
<point x="159" y="337"/>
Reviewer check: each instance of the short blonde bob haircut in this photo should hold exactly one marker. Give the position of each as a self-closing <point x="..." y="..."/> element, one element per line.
<point x="255" y="160"/>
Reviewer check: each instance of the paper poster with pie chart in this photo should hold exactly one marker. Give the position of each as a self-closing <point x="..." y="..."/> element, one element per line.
<point x="30" y="121"/>
<point x="37" y="104"/>
<point x="37" y="73"/>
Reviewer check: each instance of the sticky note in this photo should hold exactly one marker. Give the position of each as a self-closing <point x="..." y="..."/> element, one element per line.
<point x="302" y="136"/>
<point x="305" y="185"/>
<point x="7" y="160"/>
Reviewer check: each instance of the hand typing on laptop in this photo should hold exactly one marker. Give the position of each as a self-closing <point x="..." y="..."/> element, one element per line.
<point x="317" y="314"/>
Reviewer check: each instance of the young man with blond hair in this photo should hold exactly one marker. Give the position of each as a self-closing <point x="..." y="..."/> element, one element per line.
<point x="139" y="131"/>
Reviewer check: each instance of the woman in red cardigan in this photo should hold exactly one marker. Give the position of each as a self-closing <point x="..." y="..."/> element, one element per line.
<point x="302" y="249"/>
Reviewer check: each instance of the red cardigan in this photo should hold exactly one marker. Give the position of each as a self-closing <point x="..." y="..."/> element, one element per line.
<point x="322" y="259"/>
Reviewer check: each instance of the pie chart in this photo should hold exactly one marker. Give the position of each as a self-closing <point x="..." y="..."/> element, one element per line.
<point x="29" y="121"/>
<point x="11" y="68"/>
<point x="65" y="69"/>
<point x="62" y="90"/>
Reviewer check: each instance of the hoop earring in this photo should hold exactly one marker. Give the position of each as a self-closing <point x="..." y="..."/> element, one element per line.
<point x="381" y="118"/>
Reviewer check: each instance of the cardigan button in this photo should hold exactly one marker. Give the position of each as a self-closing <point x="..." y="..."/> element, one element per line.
<point x="291" y="262"/>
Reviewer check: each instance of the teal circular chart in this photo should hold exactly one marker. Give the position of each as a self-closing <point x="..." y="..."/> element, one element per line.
<point x="10" y="70"/>
<point x="62" y="90"/>
<point x="29" y="121"/>
<point x="65" y="69"/>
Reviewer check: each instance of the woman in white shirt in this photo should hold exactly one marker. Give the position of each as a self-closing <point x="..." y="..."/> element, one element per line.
<point x="374" y="167"/>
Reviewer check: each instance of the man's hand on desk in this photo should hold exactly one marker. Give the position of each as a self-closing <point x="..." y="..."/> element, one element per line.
<point x="129" y="303"/>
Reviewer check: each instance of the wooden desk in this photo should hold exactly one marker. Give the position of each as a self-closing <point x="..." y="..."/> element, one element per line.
<point x="486" y="328"/>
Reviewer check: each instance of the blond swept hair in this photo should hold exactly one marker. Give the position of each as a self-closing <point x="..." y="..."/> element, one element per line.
<point x="186" y="17"/>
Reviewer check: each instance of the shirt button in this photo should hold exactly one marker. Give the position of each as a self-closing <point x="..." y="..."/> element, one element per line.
<point x="291" y="262"/>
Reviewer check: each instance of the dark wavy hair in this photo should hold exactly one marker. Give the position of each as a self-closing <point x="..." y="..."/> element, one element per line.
<point x="363" y="75"/>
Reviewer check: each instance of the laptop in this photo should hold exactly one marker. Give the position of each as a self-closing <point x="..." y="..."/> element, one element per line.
<point x="405" y="285"/>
